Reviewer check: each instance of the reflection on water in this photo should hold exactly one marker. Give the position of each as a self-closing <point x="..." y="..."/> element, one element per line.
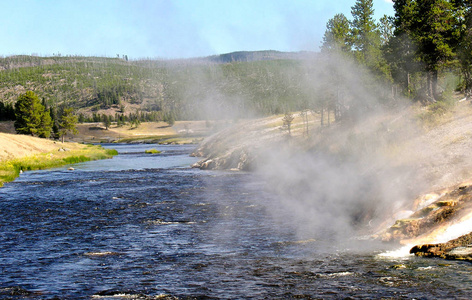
<point x="134" y="158"/>
<point x="147" y="225"/>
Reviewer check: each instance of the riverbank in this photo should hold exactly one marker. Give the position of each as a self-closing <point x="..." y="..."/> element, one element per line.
<point x="182" y="132"/>
<point x="19" y="153"/>
<point x="372" y="170"/>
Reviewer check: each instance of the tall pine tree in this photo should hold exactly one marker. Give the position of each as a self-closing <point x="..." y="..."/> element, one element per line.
<point x="366" y="37"/>
<point x="464" y="46"/>
<point x="432" y="26"/>
<point x="31" y="116"/>
<point x="337" y="35"/>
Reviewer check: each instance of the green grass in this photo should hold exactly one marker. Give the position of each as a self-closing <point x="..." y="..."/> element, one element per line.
<point x="152" y="151"/>
<point x="10" y="169"/>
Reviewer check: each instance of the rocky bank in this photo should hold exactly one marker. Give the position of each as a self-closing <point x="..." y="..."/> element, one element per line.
<point x="239" y="147"/>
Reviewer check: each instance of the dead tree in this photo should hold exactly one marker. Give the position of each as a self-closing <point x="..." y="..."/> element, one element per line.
<point x="288" y="119"/>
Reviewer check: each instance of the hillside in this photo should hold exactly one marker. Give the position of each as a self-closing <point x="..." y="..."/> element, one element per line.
<point x="228" y="85"/>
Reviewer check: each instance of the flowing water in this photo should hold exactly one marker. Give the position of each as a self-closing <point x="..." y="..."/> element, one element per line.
<point x="142" y="225"/>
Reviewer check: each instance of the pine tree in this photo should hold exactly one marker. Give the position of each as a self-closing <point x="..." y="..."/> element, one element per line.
<point x="366" y="38"/>
<point x="337" y="35"/>
<point x="464" y="46"/>
<point x="106" y="121"/>
<point x="363" y="29"/>
<point x="7" y="112"/>
<point x="432" y="26"/>
<point x="67" y="123"/>
<point x="45" y="127"/>
<point x="31" y="116"/>
<point x="400" y="50"/>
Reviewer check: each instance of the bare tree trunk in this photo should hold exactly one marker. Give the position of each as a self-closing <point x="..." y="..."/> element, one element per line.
<point x="328" y="117"/>
<point x="408" y="79"/>
<point x="468" y="84"/>
<point x="322" y="117"/>
<point x="429" y="89"/>
<point x="434" y="85"/>
<point x="306" y="122"/>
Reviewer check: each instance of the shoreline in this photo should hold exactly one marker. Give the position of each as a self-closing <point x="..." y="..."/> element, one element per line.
<point x="24" y="153"/>
<point x="19" y="153"/>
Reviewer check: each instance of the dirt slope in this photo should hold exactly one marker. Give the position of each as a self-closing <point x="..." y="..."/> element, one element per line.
<point x="15" y="145"/>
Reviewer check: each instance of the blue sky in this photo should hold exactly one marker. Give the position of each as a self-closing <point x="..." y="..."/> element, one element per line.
<point x="167" y="28"/>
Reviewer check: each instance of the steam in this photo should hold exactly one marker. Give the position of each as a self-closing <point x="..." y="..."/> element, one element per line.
<point x="333" y="196"/>
<point x="348" y="182"/>
<point x="345" y="180"/>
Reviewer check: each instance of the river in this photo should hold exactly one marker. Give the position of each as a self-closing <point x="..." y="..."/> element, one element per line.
<point x="143" y="225"/>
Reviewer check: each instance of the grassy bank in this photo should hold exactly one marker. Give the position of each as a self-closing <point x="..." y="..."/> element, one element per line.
<point x="10" y="169"/>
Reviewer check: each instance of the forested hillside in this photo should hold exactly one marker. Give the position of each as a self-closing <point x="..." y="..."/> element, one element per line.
<point x="189" y="89"/>
<point x="422" y="53"/>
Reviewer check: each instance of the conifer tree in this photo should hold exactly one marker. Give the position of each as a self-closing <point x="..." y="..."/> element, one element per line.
<point x="67" y="123"/>
<point x="464" y="46"/>
<point x="337" y="35"/>
<point x="432" y="26"/>
<point x="363" y="29"/>
<point x="31" y="116"/>
<point x="366" y="38"/>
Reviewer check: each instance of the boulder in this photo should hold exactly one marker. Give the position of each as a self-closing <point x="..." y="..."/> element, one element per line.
<point x="457" y="249"/>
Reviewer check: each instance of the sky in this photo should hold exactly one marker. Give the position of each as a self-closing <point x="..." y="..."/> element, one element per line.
<point x="167" y="29"/>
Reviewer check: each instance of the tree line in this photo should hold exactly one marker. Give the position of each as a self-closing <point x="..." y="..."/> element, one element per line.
<point x="412" y="50"/>
<point x="33" y="117"/>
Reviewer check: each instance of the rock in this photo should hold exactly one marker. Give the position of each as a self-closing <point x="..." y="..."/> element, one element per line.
<point x="197" y="165"/>
<point x="70" y="169"/>
<point x="460" y="253"/>
<point x="457" y="249"/>
<point x="452" y="204"/>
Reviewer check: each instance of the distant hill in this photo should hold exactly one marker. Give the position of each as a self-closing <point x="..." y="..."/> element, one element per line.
<point x="250" y="56"/>
<point x="226" y="85"/>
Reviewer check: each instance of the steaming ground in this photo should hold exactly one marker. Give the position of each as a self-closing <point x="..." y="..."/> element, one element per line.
<point x="355" y="177"/>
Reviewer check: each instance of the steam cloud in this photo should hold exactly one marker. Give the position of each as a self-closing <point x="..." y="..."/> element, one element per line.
<point x="349" y="178"/>
<point x="350" y="181"/>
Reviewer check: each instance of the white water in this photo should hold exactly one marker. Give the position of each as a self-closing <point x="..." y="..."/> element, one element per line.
<point x="455" y="230"/>
<point x="463" y="226"/>
<point x="403" y="252"/>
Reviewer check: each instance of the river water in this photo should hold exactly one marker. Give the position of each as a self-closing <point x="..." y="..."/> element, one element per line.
<point x="144" y="226"/>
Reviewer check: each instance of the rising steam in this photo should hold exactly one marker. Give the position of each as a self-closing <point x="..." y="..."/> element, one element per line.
<point x="355" y="176"/>
<point x="346" y="178"/>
